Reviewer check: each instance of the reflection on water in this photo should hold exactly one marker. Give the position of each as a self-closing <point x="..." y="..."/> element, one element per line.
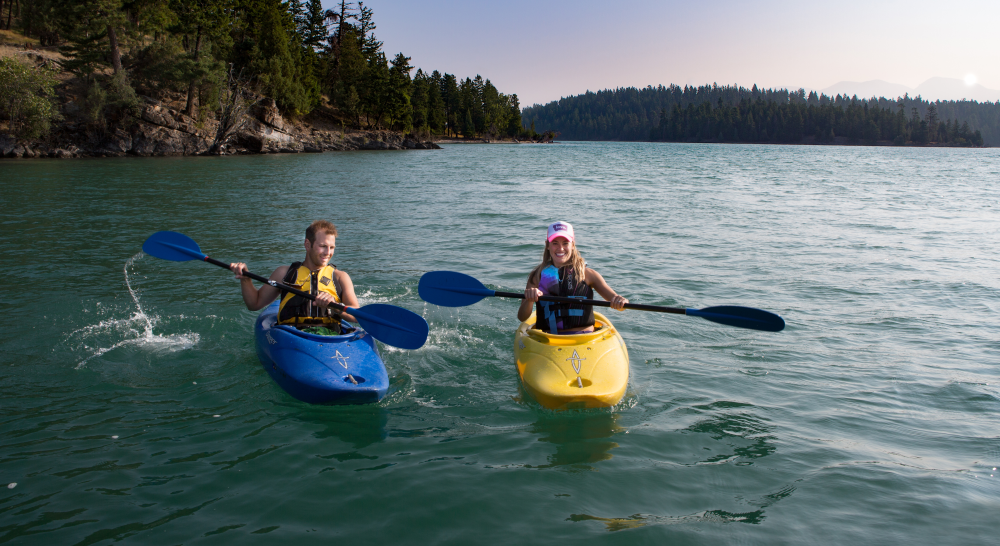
<point x="883" y="363"/>
<point x="747" y="435"/>
<point x="754" y="517"/>
<point x="359" y="426"/>
<point x="640" y="520"/>
<point x="581" y="438"/>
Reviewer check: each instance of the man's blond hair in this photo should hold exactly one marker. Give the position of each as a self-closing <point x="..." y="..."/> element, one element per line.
<point x="318" y="226"/>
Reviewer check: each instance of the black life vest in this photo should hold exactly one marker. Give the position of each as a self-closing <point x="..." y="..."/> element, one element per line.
<point x="299" y="311"/>
<point x="556" y="317"/>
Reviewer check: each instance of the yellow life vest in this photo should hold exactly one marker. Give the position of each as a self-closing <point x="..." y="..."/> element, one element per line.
<point x="296" y="310"/>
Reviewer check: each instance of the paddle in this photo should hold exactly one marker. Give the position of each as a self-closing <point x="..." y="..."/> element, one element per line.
<point x="451" y="289"/>
<point x="387" y="323"/>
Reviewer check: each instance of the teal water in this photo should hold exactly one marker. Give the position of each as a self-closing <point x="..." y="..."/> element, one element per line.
<point x="134" y="407"/>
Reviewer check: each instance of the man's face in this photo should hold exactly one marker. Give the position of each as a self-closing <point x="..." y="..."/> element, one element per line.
<point x="320" y="251"/>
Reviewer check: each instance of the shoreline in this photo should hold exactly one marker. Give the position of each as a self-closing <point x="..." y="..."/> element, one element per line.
<point x="160" y="129"/>
<point x="838" y="141"/>
<point x="158" y="125"/>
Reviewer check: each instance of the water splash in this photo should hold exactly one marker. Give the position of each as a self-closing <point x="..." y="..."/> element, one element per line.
<point x="140" y="314"/>
<point x="369" y="296"/>
<point x="138" y="328"/>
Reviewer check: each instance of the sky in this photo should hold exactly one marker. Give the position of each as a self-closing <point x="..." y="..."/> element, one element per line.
<point x="543" y="50"/>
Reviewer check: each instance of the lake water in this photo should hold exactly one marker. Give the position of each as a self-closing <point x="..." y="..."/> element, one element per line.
<point x="134" y="406"/>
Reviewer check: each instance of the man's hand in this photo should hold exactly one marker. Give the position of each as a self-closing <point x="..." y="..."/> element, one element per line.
<point x="239" y="268"/>
<point x="324" y="300"/>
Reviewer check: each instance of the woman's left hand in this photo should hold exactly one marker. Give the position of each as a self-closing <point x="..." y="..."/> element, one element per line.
<point x="618" y="303"/>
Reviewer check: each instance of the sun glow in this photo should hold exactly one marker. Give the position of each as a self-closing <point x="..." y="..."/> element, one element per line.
<point x="970" y="79"/>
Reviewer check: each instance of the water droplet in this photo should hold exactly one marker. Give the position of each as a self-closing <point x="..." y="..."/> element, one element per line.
<point x="11" y="485"/>
<point x="114" y="437"/>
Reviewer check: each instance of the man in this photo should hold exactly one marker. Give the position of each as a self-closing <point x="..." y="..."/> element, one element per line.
<point x="314" y="275"/>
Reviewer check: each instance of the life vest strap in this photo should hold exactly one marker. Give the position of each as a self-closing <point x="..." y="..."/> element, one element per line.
<point x="299" y="311"/>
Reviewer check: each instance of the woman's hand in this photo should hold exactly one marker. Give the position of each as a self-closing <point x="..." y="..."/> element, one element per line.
<point x="618" y="303"/>
<point x="532" y="294"/>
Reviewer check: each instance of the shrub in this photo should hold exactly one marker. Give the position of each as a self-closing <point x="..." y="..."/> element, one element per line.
<point x="112" y="104"/>
<point x="27" y="98"/>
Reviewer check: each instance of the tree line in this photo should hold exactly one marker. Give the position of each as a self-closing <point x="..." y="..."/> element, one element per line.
<point x="791" y="122"/>
<point x="295" y="52"/>
<point x="676" y="113"/>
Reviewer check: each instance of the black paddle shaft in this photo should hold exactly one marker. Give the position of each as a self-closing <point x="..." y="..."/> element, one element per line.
<point x="276" y="284"/>
<point x="599" y="303"/>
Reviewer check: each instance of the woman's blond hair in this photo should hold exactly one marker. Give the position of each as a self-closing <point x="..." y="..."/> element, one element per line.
<point x="575" y="260"/>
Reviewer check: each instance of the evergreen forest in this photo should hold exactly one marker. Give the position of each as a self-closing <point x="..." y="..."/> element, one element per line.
<point x="714" y="113"/>
<point x="295" y="52"/>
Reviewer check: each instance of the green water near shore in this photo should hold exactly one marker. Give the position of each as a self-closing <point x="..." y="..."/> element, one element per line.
<point x="135" y="408"/>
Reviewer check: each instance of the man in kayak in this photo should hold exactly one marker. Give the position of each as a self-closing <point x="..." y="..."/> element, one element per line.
<point x="564" y="273"/>
<point x="314" y="275"/>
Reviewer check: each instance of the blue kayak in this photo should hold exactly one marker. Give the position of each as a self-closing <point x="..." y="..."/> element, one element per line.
<point x="344" y="369"/>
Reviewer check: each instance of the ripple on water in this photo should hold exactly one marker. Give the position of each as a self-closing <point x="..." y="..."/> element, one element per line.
<point x="871" y="415"/>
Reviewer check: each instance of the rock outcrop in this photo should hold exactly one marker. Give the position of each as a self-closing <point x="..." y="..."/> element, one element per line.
<point x="159" y="130"/>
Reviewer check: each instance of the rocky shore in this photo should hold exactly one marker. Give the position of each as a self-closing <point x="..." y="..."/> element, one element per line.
<point x="161" y="130"/>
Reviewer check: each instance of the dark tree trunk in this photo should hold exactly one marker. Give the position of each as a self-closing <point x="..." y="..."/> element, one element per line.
<point x="340" y="27"/>
<point x="116" y="54"/>
<point x="10" y="12"/>
<point x="189" y="108"/>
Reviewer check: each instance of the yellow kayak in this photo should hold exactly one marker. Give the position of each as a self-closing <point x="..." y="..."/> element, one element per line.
<point x="572" y="371"/>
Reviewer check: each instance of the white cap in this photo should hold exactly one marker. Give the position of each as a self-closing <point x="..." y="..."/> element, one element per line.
<point x="560" y="229"/>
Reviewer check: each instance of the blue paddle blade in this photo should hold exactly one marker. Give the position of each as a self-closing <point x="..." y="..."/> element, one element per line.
<point x="741" y="317"/>
<point x="392" y="325"/>
<point x="173" y="246"/>
<point x="451" y="289"/>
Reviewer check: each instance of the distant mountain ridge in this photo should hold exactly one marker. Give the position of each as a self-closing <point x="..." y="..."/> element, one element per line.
<point x="934" y="89"/>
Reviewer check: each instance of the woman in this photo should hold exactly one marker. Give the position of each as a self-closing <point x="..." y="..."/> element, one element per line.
<point x="564" y="273"/>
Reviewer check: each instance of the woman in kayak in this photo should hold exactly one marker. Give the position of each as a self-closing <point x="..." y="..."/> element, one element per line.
<point x="564" y="273"/>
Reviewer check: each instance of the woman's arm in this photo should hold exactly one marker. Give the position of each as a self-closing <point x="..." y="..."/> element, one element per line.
<point x="597" y="282"/>
<point x="531" y="294"/>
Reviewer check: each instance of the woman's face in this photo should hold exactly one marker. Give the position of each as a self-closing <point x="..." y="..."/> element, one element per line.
<point x="560" y="249"/>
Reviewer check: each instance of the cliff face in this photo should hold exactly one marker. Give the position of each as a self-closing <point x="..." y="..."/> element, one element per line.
<point x="160" y="130"/>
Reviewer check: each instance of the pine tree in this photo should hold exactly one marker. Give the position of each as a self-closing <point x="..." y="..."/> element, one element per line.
<point x="349" y="72"/>
<point x="468" y="127"/>
<point x="202" y="25"/>
<point x="398" y="108"/>
<point x="932" y="126"/>
<point x="279" y="66"/>
<point x="437" y="114"/>
<point x="94" y="29"/>
<point x="453" y="102"/>
<point x="514" y="127"/>
<point x="374" y="90"/>
<point x="418" y="101"/>
<point x="313" y="29"/>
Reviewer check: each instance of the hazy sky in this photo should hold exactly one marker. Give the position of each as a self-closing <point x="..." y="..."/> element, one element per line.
<point x="546" y="49"/>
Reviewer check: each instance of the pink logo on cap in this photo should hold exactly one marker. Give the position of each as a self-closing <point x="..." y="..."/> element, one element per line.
<point x="560" y="229"/>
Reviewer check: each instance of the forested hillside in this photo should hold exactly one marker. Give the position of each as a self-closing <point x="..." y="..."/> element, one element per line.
<point x="294" y="52"/>
<point x="737" y="114"/>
